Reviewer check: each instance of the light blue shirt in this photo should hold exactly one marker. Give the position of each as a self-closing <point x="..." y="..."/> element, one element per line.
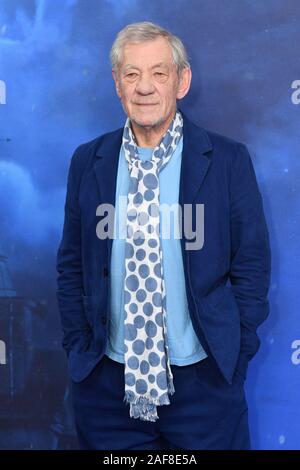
<point x="184" y="345"/>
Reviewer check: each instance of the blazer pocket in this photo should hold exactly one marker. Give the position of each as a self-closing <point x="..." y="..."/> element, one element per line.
<point x="222" y="304"/>
<point x="220" y="320"/>
<point x="220" y="294"/>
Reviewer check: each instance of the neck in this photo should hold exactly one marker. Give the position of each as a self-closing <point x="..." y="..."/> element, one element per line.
<point x="150" y="136"/>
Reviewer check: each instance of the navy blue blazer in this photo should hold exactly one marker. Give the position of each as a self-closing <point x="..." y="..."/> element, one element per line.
<point x="227" y="280"/>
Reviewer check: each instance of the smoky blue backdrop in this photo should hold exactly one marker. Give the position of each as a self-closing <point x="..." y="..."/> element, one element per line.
<point x="56" y="92"/>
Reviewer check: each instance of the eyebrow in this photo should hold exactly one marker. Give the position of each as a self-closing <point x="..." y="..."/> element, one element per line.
<point x="130" y="66"/>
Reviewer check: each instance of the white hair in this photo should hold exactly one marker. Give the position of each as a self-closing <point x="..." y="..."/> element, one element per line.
<point x="146" y="31"/>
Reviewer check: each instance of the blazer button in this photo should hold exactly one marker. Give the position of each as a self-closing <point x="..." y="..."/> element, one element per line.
<point x="105" y="271"/>
<point x="104" y="320"/>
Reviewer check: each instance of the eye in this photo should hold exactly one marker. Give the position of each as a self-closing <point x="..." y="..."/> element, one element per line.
<point x="131" y="75"/>
<point x="160" y="76"/>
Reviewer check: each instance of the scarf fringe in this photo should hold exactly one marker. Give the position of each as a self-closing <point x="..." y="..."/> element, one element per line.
<point x="145" y="407"/>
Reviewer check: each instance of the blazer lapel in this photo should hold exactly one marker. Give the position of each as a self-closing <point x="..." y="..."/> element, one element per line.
<point x="195" y="163"/>
<point x="106" y="169"/>
<point x="106" y="166"/>
<point x="194" y="167"/>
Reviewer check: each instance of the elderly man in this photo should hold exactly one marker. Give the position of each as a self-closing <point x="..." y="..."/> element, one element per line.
<point x="159" y="328"/>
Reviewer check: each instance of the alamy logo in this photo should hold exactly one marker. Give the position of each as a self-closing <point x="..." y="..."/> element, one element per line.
<point x="296" y="354"/>
<point x="2" y="92"/>
<point x="296" y="94"/>
<point x="2" y="352"/>
<point x="141" y="222"/>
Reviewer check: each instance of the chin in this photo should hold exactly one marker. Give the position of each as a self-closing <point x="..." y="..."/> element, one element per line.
<point x="147" y="121"/>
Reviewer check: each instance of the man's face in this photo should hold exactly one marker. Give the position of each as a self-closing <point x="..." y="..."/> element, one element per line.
<point x="147" y="82"/>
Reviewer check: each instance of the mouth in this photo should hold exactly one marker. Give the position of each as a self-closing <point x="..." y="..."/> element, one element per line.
<point x="146" y="104"/>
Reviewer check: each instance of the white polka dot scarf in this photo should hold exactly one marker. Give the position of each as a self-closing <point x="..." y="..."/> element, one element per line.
<point x="148" y="375"/>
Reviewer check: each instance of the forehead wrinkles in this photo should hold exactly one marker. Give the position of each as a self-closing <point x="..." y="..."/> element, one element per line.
<point x="147" y="55"/>
<point x="163" y="65"/>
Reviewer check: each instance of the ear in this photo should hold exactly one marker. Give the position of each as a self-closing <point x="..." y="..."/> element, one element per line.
<point x="184" y="82"/>
<point x="117" y="83"/>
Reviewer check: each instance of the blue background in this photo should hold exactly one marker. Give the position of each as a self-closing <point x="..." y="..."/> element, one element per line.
<point x="54" y="59"/>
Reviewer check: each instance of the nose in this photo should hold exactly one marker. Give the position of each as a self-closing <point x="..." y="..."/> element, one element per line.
<point x="144" y="85"/>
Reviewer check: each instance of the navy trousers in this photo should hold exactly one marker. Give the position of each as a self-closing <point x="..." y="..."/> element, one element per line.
<point x="205" y="412"/>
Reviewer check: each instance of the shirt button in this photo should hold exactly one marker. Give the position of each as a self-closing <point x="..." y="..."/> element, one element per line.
<point x="105" y="271"/>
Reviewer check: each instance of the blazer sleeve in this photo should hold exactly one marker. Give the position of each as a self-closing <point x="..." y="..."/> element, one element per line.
<point x="76" y="330"/>
<point x="250" y="269"/>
